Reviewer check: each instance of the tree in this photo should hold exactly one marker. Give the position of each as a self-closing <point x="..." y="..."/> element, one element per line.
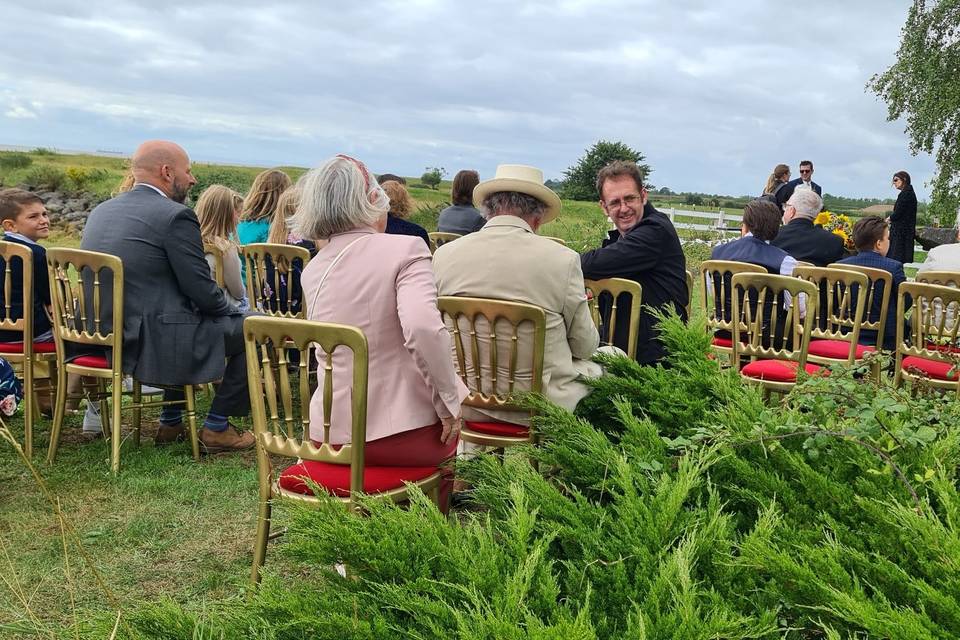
<point x="580" y="181"/>
<point x="433" y="176"/>
<point x="924" y="85"/>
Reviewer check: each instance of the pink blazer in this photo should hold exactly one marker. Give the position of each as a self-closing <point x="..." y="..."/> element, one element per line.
<point x="383" y="284"/>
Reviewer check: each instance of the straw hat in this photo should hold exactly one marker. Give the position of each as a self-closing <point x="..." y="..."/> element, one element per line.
<point x="522" y="179"/>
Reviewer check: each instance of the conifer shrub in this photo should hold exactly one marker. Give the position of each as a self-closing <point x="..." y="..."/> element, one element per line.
<point x="674" y="504"/>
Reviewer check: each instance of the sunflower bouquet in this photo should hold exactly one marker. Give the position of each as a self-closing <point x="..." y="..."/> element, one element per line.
<point x="838" y="224"/>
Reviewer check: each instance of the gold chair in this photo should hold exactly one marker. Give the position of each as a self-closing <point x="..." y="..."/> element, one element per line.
<point x="931" y="350"/>
<point x="440" y="238"/>
<point x="801" y="263"/>
<point x="273" y="281"/>
<point x="490" y="365"/>
<point x="944" y="278"/>
<point x="25" y="354"/>
<point x="836" y="330"/>
<point x="614" y="290"/>
<point x="86" y="289"/>
<point x="340" y="470"/>
<point x="691" y="277"/>
<point x="880" y="284"/>
<point x="715" y="290"/>
<point x="217" y="253"/>
<point x="770" y="329"/>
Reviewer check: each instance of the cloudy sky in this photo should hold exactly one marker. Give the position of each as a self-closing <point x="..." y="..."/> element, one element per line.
<point x="713" y="93"/>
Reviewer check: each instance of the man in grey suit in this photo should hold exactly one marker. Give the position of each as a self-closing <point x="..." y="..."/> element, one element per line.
<point x="178" y="327"/>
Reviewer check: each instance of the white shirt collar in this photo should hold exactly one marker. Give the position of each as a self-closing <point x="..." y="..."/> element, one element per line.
<point x="147" y="184"/>
<point x="19" y="236"/>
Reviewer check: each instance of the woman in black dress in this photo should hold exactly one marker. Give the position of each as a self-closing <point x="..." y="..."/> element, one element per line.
<point x="903" y="220"/>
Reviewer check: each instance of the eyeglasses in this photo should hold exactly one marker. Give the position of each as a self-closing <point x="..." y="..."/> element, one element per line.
<point x="630" y="201"/>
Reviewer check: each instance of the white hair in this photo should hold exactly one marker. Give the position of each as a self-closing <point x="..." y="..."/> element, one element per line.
<point x="807" y="203"/>
<point x="338" y="196"/>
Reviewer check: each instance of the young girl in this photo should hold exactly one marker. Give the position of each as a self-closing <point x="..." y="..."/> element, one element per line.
<point x="280" y="232"/>
<point x="218" y="211"/>
<point x="260" y="205"/>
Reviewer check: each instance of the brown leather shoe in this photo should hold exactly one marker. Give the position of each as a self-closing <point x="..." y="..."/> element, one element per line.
<point x="222" y="441"/>
<point x="170" y="433"/>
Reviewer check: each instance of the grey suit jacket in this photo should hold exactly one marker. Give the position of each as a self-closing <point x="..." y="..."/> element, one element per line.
<point x="174" y="314"/>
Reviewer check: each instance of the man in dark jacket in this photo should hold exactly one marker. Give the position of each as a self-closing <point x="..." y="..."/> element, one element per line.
<point x="178" y="327"/>
<point x="805" y="181"/>
<point x="643" y="248"/>
<point x="801" y="238"/>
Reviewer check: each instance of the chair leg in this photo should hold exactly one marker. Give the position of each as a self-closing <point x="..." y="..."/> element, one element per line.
<point x="116" y="400"/>
<point x="30" y="409"/>
<point x="58" y="413"/>
<point x="137" y="413"/>
<point x="191" y="402"/>
<point x="263" y="536"/>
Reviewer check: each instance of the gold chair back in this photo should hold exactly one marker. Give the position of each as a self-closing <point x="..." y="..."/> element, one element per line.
<point x="801" y="263"/>
<point x="880" y="284"/>
<point x="933" y="330"/>
<point x="944" y="278"/>
<point x="217" y="253"/>
<point x="273" y="278"/>
<point x="842" y="304"/>
<point x="616" y="290"/>
<point x="691" y="278"/>
<point x="440" y="238"/>
<point x="767" y="323"/>
<point x="715" y="289"/>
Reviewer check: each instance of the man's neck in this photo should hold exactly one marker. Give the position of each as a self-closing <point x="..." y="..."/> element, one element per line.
<point x="152" y="186"/>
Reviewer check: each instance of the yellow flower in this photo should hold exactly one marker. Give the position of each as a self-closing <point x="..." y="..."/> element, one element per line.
<point x="822" y="218"/>
<point x="842" y="234"/>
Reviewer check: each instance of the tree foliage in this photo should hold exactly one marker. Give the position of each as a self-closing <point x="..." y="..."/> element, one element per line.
<point x="433" y="176"/>
<point x="924" y="85"/>
<point x="580" y="182"/>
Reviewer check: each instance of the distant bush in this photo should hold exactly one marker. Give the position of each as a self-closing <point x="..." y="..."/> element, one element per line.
<point x="15" y="160"/>
<point x="43" y="151"/>
<point x="236" y="179"/>
<point x="80" y="178"/>
<point x="46" y="177"/>
<point x="693" y="199"/>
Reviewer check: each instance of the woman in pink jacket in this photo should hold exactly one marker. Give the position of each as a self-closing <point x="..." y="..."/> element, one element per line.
<point x="382" y="284"/>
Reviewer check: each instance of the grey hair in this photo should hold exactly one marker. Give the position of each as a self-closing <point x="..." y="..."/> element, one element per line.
<point x="335" y="198"/>
<point x="807" y="203"/>
<point x="513" y="203"/>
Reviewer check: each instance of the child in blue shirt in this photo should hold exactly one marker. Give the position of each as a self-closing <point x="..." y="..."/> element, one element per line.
<point x="25" y="222"/>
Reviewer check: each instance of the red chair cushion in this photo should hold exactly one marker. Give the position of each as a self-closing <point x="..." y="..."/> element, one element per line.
<point x="335" y="478"/>
<point x="723" y="342"/>
<point x="943" y="348"/>
<point x="498" y="429"/>
<point x="38" y="347"/>
<point x="837" y="349"/>
<point x="932" y="368"/>
<point x="98" y="362"/>
<point x="777" y="370"/>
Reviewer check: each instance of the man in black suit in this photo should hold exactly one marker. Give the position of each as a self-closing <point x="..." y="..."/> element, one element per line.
<point x="803" y="240"/>
<point x="178" y="327"/>
<point x="805" y="181"/>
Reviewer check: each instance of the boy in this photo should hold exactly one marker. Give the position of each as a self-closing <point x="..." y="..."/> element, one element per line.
<point x="25" y="222"/>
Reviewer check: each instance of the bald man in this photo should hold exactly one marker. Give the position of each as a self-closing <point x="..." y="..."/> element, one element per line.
<point x="178" y="328"/>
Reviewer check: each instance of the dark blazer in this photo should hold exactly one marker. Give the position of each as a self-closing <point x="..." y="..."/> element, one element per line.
<point x="809" y="243"/>
<point x="903" y="225"/>
<point x="462" y="219"/>
<point x="174" y="314"/>
<point x="41" y="291"/>
<point x="399" y="226"/>
<point x="784" y="194"/>
<point x="877" y="261"/>
<point x="650" y="254"/>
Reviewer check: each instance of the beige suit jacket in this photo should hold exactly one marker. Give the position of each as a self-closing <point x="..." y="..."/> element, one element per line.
<point x="507" y="261"/>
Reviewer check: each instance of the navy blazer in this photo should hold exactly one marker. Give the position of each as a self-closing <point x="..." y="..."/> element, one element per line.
<point x="41" y="291"/>
<point x="809" y="243"/>
<point x="399" y="226"/>
<point x="877" y="261"/>
<point x="784" y="194"/>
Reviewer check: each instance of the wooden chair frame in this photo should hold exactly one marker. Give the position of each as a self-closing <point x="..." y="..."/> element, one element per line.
<point x="929" y="325"/>
<point x="217" y="253"/>
<point x="282" y="256"/>
<point x="691" y="278"/>
<point x="873" y="276"/>
<point x="616" y="287"/>
<point x="275" y="432"/>
<point x="748" y="334"/>
<point x="76" y="279"/>
<point x="467" y="352"/>
<point x="843" y="314"/>
<point x="26" y="359"/>
<point x="944" y="278"/>
<point x="440" y="238"/>
<point x="715" y="302"/>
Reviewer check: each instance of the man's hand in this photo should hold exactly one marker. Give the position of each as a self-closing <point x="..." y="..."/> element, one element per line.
<point x="451" y="428"/>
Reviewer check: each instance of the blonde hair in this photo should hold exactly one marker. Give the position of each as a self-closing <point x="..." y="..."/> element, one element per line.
<point x="126" y="183"/>
<point x="279" y="225"/>
<point x="338" y="196"/>
<point x="399" y="198"/>
<point x="775" y="178"/>
<point x="215" y="212"/>
<point x="261" y="200"/>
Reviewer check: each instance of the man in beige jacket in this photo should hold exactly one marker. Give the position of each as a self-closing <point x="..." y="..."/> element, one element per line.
<point x="506" y="260"/>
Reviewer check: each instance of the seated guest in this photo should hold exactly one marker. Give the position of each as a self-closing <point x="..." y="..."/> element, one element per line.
<point x="871" y="235"/>
<point x="280" y="232"/>
<point x="259" y="208"/>
<point x="400" y="207"/>
<point x="801" y="238"/>
<point x="945" y="257"/>
<point x="386" y="177"/>
<point x="462" y="217"/>
<point x="761" y="221"/>
<point x="178" y="327"/>
<point x="218" y="211"/>
<point x="25" y="222"/>
<point x="644" y="248"/>
<point x="413" y="416"/>
<point x="506" y="260"/>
